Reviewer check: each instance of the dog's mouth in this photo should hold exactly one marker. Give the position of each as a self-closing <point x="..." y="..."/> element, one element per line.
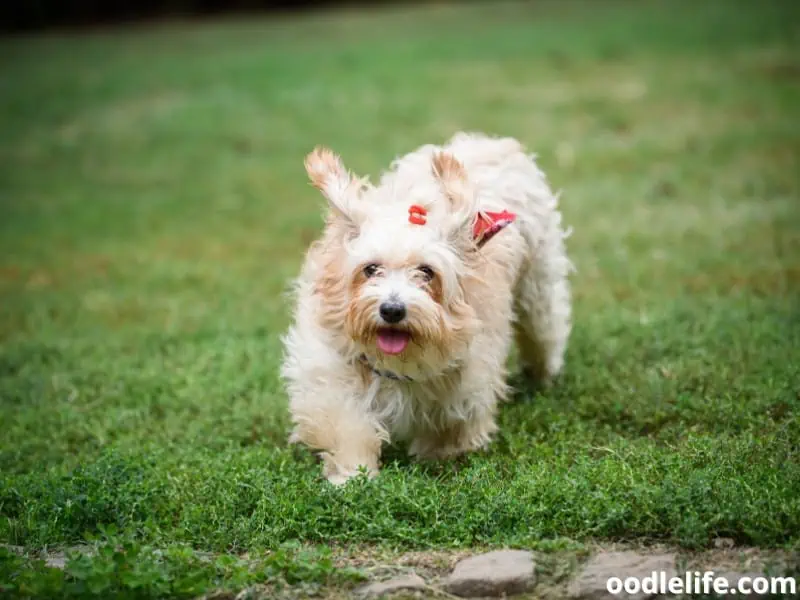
<point x="392" y="341"/>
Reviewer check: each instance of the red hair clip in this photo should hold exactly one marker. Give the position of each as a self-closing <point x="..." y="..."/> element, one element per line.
<point x="416" y="215"/>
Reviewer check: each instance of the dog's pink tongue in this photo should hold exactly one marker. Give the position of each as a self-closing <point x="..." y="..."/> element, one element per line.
<point x="392" y="341"/>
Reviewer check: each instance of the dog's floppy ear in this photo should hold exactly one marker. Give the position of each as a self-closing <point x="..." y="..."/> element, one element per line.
<point x="452" y="177"/>
<point x="329" y="175"/>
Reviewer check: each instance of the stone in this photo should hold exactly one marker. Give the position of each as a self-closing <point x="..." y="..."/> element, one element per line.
<point x="592" y="582"/>
<point x="503" y="572"/>
<point x="397" y="584"/>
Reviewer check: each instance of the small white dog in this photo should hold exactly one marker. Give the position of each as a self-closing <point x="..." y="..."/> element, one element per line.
<point x="408" y="304"/>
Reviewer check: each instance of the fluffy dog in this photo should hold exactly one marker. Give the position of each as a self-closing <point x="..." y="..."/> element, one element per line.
<point x="407" y="306"/>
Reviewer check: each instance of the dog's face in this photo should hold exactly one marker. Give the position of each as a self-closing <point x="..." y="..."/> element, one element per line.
<point x="393" y="285"/>
<point x="406" y="296"/>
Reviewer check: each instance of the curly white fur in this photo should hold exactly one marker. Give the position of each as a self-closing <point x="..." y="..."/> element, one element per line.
<point x="462" y="312"/>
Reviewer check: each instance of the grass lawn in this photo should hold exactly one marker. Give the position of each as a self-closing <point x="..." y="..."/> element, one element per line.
<point x="154" y="207"/>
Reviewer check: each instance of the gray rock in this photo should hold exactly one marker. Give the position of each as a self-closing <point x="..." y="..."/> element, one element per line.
<point x="404" y="582"/>
<point x="591" y="583"/>
<point x="503" y="572"/>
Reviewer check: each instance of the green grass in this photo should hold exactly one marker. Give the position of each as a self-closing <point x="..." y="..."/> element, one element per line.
<point x="153" y="208"/>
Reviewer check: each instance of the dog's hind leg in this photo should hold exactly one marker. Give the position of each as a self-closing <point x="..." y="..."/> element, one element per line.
<point x="543" y="309"/>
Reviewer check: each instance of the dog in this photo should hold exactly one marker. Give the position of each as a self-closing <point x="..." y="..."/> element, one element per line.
<point x="407" y="306"/>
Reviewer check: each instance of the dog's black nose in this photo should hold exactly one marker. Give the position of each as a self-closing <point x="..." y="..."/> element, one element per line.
<point x="393" y="312"/>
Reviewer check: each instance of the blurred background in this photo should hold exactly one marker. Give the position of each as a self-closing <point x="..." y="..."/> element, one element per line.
<point x="162" y="142"/>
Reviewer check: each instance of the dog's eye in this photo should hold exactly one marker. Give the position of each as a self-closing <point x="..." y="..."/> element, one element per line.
<point x="371" y="269"/>
<point x="426" y="271"/>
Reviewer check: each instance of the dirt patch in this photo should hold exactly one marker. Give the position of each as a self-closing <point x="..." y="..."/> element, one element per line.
<point x="555" y="571"/>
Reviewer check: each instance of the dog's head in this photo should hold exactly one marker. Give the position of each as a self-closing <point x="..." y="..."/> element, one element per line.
<point x="396" y="260"/>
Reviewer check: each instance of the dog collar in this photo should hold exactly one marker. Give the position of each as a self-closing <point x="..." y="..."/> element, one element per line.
<point x="362" y="358"/>
<point x="489" y="223"/>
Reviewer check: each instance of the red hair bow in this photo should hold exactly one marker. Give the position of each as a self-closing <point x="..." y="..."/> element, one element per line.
<point x="417" y="214"/>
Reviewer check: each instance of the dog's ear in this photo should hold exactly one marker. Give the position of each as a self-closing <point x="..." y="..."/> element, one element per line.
<point x="452" y="178"/>
<point x="342" y="189"/>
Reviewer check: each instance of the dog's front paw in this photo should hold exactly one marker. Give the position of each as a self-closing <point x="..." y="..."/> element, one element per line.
<point x="339" y="474"/>
<point x="339" y="478"/>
